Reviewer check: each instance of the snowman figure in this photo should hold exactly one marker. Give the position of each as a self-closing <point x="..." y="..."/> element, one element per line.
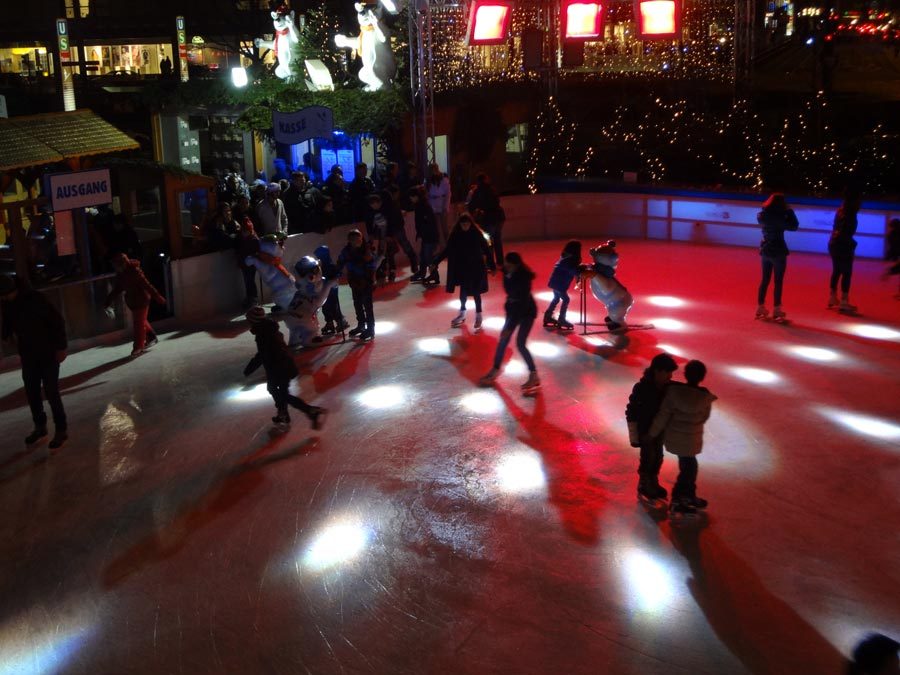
<point x="373" y="44"/>
<point x="605" y="287"/>
<point x="283" y="43"/>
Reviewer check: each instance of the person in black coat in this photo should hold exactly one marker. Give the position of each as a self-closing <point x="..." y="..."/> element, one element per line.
<point x="521" y="311"/>
<point x="484" y="205"/>
<point x="358" y="194"/>
<point x="468" y="257"/>
<point x="775" y="218"/>
<point x="274" y="356"/>
<point x="842" y="249"/>
<point x="643" y="404"/>
<point x="39" y="333"/>
<point x="426" y="229"/>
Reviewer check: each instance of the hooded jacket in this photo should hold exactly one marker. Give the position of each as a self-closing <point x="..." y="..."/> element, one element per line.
<point x="138" y="290"/>
<point x="684" y="410"/>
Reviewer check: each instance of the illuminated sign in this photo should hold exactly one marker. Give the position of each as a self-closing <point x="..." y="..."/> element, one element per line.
<point x="76" y="190"/>
<point x="182" y="47"/>
<point x="658" y="19"/>
<point x="582" y="20"/>
<point x="65" y="55"/>
<point x="489" y="22"/>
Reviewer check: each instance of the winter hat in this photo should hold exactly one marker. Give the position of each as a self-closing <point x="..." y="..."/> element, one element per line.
<point x="256" y="314"/>
<point x="273" y="187"/>
<point x="7" y="284"/>
<point x="323" y="253"/>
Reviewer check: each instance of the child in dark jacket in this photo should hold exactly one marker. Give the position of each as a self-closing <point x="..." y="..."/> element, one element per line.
<point x="643" y="404"/>
<point x="138" y="291"/>
<point x="521" y="312"/>
<point x="564" y="271"/>
<point x="331" y="310"/>
<point x="426" y="230"/>
<point x="274" y="356"/>
<point x="359" y="262"/>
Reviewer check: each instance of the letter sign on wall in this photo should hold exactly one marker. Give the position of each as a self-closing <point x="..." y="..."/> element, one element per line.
<point x="77" y="190"/>
<point x="316" y="121"/>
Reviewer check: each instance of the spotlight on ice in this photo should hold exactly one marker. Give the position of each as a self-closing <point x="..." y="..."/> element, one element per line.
<point x="873" y="331"/>
<point x="664" y="323"/>
<point x="666" y="301"/>
<point x="385" y="327"/>
<point x="546" y="296"/>
<point x="521" y="472"/>
<point x="336" y="544"/>
<point x="544" y="349"/>
<point x="434" y="346"/>
<point x="257" y="393"/>
<point x="389" y="396"/>
<point x="755" y="375"/>
<point x="649" y="584"/>
<point x="669" y="349"/>
<point x="494" y="322"/>
<point x="482" y="402"/>
<point x="813" y="353"/>
<point x="515" y="367"/>
<point x="864" y="424"/>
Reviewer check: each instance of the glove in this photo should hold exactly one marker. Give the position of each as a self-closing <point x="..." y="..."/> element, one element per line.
<point x="110" y="312"/>
<point x="633" y="436"/>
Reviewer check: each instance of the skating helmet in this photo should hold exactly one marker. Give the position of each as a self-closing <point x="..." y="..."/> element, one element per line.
<point x="309" y="276"/>
<point x="605" y="254"/>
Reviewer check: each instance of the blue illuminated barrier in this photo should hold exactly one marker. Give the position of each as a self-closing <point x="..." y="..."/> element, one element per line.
<point x="699" y="218"/>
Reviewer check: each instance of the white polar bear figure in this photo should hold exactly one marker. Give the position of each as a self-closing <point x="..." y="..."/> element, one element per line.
<point x="606" y="288"/>
<point x="312" y="292"/>
<point x="373" y="44"/>
<point x="285" y="39"/>
<point x="273" y="273"/>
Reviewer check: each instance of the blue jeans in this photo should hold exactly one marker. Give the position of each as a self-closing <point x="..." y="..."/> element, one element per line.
<point x="557" y="296"/>
<point x="771" y="264"/>
<point x="524" y="325"/>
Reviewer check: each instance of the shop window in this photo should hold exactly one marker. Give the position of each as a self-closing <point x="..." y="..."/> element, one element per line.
<point x="141" y="59"/>
<point x="27" y="61"/>
<point x="193" y="207"/>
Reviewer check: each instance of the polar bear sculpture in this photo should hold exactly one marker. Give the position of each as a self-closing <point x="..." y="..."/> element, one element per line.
<point x="606" y="287"/>
<point x="284" y="40"/>
<point x="373" y="44"/>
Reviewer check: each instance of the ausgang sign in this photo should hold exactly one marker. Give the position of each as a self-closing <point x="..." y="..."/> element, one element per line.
<point x="316" y="121"/>
<point x="76" y="190"/>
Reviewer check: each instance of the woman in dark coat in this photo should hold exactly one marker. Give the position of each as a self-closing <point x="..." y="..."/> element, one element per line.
<point x="468" y="259"/>
<point x="775" y="218"/>
<point x="842" y="248"/>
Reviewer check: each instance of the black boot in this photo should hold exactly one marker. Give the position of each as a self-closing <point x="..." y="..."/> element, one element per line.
<point x="37" y="434"/>
<point x="59" y="439"/>
<point x="549" y="321"/>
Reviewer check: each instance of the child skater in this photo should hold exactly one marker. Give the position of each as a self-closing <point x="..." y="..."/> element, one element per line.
<point x="427" y="231"/>
<point x="643" y="404"/>
<point x="138" y="291"/>
<point x="331" y="310"/>
<point x="359" y="261"/>
<point x="273" y="354"/>
<point x="521" y="312"/>
<point x="564" y="271"/>
<point x="684" y="410"/>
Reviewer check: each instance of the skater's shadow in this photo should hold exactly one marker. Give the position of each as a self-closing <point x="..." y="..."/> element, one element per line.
<point x="227" y="331"/>
<point x="390" y="291"/>
<point x="433" y="296"/>
<point x="763" y="631"/>
<point x="67" y="385"/>
<point x="472" y="354"/>
<point x="234" y="485"/>
<point x="624" y="348"/>
<point x="575" y="493"/>
<point x="348" y="360"/>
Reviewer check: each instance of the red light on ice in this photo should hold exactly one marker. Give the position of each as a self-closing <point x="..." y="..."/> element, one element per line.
<point x="658" y="19"/>
<point x="583" y="21"/>
<point x="489" y="22"/>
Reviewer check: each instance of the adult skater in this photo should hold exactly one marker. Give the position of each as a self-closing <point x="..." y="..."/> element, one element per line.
<point x="468" y="258"/>
<point x="564" y="271"/>
<point x="426" y="230"/>
<point x="842" y="247"/>
<point x="643" y="404"/>
<point x="775" y="218"/>
<point x="39" y="333"/>
<point x="439" y="192"/>
<point x="521" y="312"/>
<point x="682" y="414"/>
<point x="893" y="251"/>
<point x="273" y="355"/>
<point x="484" y="205"/>
<point x="138" y="291"/>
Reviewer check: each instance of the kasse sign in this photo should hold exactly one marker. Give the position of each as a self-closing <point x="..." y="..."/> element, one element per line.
<point x="316" y="121"/>
<point x="76" y="190"/>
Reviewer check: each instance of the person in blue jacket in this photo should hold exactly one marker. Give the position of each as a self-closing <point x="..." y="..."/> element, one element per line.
<point x="564" y="271"/>
<point x="331" y="310"/>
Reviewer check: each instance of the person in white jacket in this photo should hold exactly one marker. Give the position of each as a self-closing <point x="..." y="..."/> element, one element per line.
<point x="684" y="410"/>
<point x="438" y="189"/>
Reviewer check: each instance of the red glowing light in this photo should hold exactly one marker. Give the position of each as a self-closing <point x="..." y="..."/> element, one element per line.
<point x="582" y="20"/>
<point x="489" y="22"/>
<point x="658" y="19"/>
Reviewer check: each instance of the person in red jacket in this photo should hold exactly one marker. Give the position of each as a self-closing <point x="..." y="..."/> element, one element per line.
<point x="131" y="281"/>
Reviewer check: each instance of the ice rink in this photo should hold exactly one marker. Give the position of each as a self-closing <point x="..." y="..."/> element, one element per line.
<point x="435" y="527"/>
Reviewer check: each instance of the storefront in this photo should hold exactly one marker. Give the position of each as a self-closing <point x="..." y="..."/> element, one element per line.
<point x="26" y="60"/>
<point x="131" y="59"/>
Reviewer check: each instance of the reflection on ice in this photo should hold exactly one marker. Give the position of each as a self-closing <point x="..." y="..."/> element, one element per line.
<point x="29" y="652"/>
<point x="336" y="544"/>
<point x="648" y="583"/>
<point x="543" y="349"/>
<point x="665" y="323"/>
<point x="814" y="353"/>
<point x="117" y="436"/>
<point x="389" y="396"/>
<point x="435" y="346"/>
<point x="669" y="349"/>
<point x="521" y="472"/>
<point x="385" y="327"/>
<point x="257" y="393"/>
<point x="873" y="331"/>
<point x="756" y="375"/>
<point x="735" y="445"/>
<point x="483" y="402"/>
<point x="515" y="367"/>
<point x="864" y="424"/>
<point x="665" y="301"/>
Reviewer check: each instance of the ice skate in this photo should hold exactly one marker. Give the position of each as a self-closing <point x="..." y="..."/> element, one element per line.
<point x="367" y="335"/>
<point x="549" y="321"/>
<point x="562" y="324"/>
<point x="37" y="434"/>
<point x="152" y="340"/>
<point x="762" y="312"/>
<point x="328" y="328"/>
<point x="489" y="378"/>
<point x="532" y="385"/>
<point x="433" y="278"/>
<point x="417" y="278"/>
<point x="392" y="277"/>
<point x="136" y="352"/>
<point x="59" y="439"/>
<point x="459" y="319"/>
<point x="478" y="321"/>
<point x="682" y="508"/>
<point x="344" y="324"/>
<point x="833" y="300"/>
<point x="357" y="331"/>
<point x="317" y="417"/>
<point x="778" y="314"/>
<point x="652" y="494"/>
<point x="845" y="307"/>
<point x="698" y="502"/>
